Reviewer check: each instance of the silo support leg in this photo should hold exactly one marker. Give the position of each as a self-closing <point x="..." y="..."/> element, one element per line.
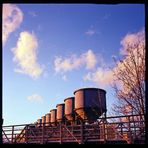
<point x="12" y="134"/>
<point x="60" y="133"/>
<point x="43" y="131"/>
<point x="82" y="140"/>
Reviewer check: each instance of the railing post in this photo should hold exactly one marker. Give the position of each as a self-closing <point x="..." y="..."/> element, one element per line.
<point x="1" y="129"/>
<point x="104" y="129"/>
<point x="72" y="128"/>
<point x="60" y="133"/>
<point x="130" y="133"/>
<point x="121" y="128"/>
<point x="26" y="134"/>
<point x="12" y="134"/>
<point x="43" y="130"/>
<point x="134" y="120"/>
<point x="82" y="132"/>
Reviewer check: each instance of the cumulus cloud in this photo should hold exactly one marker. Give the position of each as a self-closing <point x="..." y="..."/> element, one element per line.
<point x="131" y="40"/>
<point x="101" y="77"/>
<point x="25" y="55"/>
<point x="63" y="65"/>
<point x="35" y="98"/>
<point x="12" y="17"/>
<point x="90" y="59"/>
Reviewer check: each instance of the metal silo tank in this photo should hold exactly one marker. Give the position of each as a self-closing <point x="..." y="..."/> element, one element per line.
<point x="48" y="117"/>
<point x="69" y="108"/>
<point x="53" y="113"/>
<point x="36" y="123"/>
<point x="39" y="122"/>
<point x="60" y="112"/>
<point x="43" y="120"/>
<point x="90" y="103"/>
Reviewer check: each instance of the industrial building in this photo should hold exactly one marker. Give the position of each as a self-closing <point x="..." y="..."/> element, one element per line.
<point x="79" y="119"/>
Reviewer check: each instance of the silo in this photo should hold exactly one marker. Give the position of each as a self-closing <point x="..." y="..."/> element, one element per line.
<point x="53" y="113"/>
<point x="48" y="117"/>
<point x="60" y="112"/>
<point x="39" y="122"/>
<point x="43" y="120"/>
<point x="90" y="103"/>
<point x="36" y="123"/>
<point x="69" y="108"/>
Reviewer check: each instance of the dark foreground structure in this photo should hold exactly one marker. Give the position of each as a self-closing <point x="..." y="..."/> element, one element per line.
<point x="79" y="120"/>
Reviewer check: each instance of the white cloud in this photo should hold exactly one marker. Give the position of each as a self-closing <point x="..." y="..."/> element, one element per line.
<point x="11" y="20"/>
<point x="90" y="32"/>
<point x="101" y="77"/>
<point x="63" y="65"/>
<point x="131" y="40"/>
<point x="35" y="98"/>
<point x="90" y="59"/>
<point x="25" y="55"/>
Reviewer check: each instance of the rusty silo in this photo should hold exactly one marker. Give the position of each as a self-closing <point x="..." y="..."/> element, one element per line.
<point x="48" y="117"/>
<point x="39" y="121"/>
<point x="53" y="113"/>
<point x="60" y="112"/>
<point x="35" y="123"/>
<point x="43" y="120"/>
<point x="69" y="108"/>
<point x="90" y="103"/>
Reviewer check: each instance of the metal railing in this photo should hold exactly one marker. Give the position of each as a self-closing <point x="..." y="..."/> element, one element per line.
<point x="127" y="129"/>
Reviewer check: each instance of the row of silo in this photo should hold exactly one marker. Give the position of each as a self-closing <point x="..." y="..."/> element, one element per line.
<point x="87" y="104"/>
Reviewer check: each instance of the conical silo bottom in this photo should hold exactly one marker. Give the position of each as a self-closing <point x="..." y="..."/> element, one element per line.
<point x="88" y="114"/>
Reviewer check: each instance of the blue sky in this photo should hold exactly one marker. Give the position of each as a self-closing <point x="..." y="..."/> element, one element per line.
<point x="50" y="50"/>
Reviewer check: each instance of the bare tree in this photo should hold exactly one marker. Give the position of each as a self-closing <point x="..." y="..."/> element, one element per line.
<point x="129" y="78"/>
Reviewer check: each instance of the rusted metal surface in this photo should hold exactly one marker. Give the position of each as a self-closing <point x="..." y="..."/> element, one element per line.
<point x="43" y="119"/>
<point x="53" y="113"/>
<point x="104" y="130"/>
<point x="39" y="122"/>
<point x="48" y="117"/>
<point x="90" y="103"/>
<point x="69" y="108"/>
<point x="60" y="112"/>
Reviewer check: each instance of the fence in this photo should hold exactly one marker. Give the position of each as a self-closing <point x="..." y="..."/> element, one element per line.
<point x="125" y="129"/>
